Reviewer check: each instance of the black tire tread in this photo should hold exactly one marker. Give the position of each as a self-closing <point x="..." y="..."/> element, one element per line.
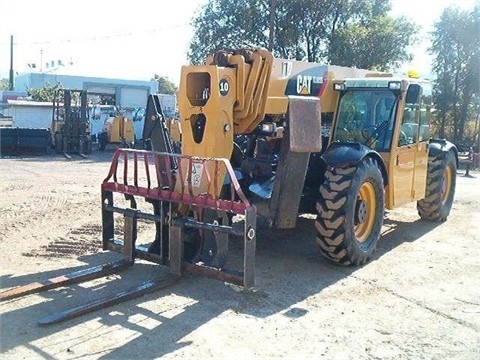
<point x="431" y="207"/>
<point x="332" y="233"/>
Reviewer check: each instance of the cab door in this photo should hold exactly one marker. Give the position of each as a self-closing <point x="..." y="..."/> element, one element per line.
<point x="409" y="154"/>
<point x="421" y="166"/>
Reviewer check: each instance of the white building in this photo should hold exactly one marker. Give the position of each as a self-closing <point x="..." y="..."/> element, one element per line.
<point x="38" y="115"/>
<point x="128" y="94"/>
<point x="29" y="114"/>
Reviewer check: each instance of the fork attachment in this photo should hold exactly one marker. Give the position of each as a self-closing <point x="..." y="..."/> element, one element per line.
<point x="194" y="201"/>
<point x="64" y="280"/>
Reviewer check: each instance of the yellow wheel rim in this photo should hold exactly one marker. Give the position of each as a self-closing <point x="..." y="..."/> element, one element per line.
<point x="365" y="212"/>
<point x="447" y="184"/>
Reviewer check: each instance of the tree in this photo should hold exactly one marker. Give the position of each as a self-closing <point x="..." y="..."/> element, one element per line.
<point x="4" y="84"/>
<point x="342" y="32"/>
<point x="379" y="43"/>
<point x="224" y="24"/>
<point x="165" y="86"/>
<point x="456" y="47"/>
<point x="45" y="93"/>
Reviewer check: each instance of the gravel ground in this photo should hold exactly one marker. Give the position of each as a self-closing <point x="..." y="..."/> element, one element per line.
<point x="419" y="297"/>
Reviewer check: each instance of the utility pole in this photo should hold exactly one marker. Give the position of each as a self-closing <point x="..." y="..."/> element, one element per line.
<point x="478" y="132"/>
<point x="271" y="29"/>
<point x="10" y="82"/>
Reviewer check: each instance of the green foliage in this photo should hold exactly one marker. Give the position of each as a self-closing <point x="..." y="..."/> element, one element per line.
<point x="45" y="93"/>
<point x="378" y="43"/>
<point x="4" y="84"/>
<point x="165" y="86"/>
<point x="224" y="24"/>
<point x="456" y="47"/>
<point x="342" y="32"/>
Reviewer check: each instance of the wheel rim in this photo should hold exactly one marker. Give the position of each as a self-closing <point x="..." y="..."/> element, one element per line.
<point x="365" y="212"/>
<point x="447" y="181"/>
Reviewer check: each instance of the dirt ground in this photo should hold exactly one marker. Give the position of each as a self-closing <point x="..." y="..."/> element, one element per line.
<point x="419" y="298"/>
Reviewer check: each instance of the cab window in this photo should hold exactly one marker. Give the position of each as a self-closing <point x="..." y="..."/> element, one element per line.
<point x="411" y="114"/>
<point x="425" y="108"/>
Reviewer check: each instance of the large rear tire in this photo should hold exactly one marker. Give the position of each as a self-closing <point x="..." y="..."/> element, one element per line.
<point x="440" y="190"/>
<point x="191" y="244"/>
<point x="191" y="237"/>
<point x="350" y="212"/>
<point x="102" y="141"/>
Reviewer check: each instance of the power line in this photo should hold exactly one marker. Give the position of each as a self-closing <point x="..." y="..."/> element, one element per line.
<point x="96" y="37"/>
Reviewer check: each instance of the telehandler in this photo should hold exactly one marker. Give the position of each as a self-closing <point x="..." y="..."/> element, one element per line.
<point x="117" y="129"/>
<point x="252" y="147"/>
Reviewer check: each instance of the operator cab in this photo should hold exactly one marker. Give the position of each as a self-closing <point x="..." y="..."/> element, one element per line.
<point x="390" y="116"/>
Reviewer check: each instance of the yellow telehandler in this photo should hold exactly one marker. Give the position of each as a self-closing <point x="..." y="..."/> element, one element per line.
<point x="264" y="140"/>
<point x="118" y="130"/>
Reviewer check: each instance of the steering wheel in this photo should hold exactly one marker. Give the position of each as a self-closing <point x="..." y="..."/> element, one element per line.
<point x="368" y="131"/>
<point x="377" y="132"/>
<point x="403" y="138"/>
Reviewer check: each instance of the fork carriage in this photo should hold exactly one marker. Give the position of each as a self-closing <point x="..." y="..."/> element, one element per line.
<point x="184" y="193"/>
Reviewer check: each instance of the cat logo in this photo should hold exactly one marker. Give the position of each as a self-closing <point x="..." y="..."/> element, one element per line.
<point x="304" y="84"/>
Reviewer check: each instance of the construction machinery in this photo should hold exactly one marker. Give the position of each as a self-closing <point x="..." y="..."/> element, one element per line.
<point x="117" y="129"/>
<point x="168" y="105"/>
<point x="70" y="127"/>
<point x="252" y="151"/>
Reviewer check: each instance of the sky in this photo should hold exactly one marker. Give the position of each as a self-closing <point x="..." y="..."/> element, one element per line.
<point x="137" y="39"/>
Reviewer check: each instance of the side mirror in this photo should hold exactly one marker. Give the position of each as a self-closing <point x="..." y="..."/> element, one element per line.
<point x="413" y="93"/>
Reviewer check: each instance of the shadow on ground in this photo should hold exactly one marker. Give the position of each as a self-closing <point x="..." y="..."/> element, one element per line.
<point x="283" y="257"/>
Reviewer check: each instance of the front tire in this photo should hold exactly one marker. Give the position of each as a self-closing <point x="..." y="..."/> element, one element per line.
<point x="102" y="141"/>
<point x="350" y="212"/>
<point x="440" y="190"/>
